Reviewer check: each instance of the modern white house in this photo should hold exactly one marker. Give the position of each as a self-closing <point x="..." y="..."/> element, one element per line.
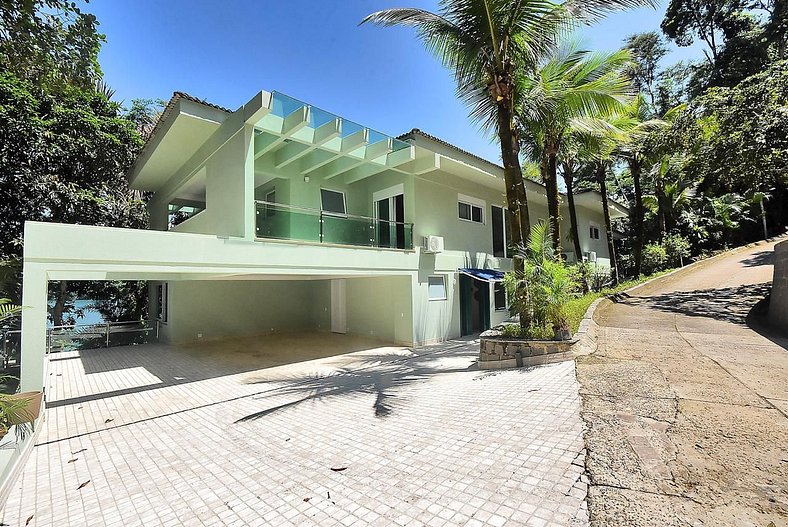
<point x="280" y="216"/>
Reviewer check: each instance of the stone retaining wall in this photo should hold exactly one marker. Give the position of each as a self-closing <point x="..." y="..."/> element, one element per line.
<point x="778" y="305"/>
<point x="496" y="351"/>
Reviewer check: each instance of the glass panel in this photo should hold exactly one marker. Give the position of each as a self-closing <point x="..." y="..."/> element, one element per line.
<point x="436" y="287"/>
<point x="283" y="105"/>
<point x="465" y="211"/>
<point x="499" y="247"/>
<point x="332" y="201"/>
<point x="348" y="230"/>
<point x="500" y="297"/>
<point x="384" y="227"/>
<point x="284" y="223"/>
<point x="476" y="214"/>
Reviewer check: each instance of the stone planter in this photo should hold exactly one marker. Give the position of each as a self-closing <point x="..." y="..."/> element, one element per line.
<point x="497" y="351"/>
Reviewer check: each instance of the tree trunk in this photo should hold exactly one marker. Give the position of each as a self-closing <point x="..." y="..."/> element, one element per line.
<point x="569" y="181"/>
<point x="516" y="198"/>
<point x="638" y="216"/>
<point x="601" y="178"/>
<point x="659" y="192"/>
<point x="553" y="202"/>
<point x="60" y="304"/>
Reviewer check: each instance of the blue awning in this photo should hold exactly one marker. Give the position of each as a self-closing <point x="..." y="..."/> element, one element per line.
<point x="485" y="275"/>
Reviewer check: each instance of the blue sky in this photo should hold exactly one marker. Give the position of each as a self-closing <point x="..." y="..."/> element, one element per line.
<point x="309" y="49"/>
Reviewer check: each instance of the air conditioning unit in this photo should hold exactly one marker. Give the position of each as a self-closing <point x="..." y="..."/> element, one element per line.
<point x="590" y="256"/>
<point x="433" y="244"/>
<point x="568" y="257"/>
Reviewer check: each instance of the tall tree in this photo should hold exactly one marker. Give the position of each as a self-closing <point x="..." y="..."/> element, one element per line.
<point x="51" y="43"/>
<point x="647" y="50"/>
<point x="686" y="20"/>
<point x="570" y="84"/>
<point x="62" y="159"/>
<point x="633" y="126"/>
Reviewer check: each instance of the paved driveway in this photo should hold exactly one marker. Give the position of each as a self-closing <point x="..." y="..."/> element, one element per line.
<point x="686" y="404"/>
<point x="157" y="435"/>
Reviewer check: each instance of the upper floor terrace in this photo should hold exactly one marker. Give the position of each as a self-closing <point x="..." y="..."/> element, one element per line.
<point x="281" y="169"/>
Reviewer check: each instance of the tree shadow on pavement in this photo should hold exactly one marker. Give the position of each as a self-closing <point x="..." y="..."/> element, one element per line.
<point x="759" y="258"/>
<point x="731" y="304"/>
<point x="383" y="379"/>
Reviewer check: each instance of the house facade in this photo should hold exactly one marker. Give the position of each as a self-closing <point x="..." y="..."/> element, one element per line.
<point x="280" y="216"/>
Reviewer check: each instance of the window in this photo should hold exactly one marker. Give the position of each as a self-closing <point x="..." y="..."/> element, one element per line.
<point x="332" y="201"/>
<point x="161" y="302"/>
<point x="500" y="297"/>
<point x="500" y="231"/>
<point x="471" y="209"/>
<point x="436" y="287"/>
<point x="594" y="232"/>
<point x="270" y="198"/>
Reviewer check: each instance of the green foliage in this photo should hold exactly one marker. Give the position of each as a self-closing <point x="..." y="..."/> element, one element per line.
<point x="63" y="159"/>
<point x="677" y="249"/>
<point x="549" y="282"/>
<point x="647" y="49"/>
<point x="8" y="311"/>
<point x="655" y="258"/>
<point x="532" y="332"/>
<point x="51" y="43"/>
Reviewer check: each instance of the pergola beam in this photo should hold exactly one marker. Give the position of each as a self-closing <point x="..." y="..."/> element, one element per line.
<point x="393" y="160"/>
<point x="350" y="143"/>
<point x="371" y="152"/>
<point x="294" y="151"/>
<point x="291" y="124"/>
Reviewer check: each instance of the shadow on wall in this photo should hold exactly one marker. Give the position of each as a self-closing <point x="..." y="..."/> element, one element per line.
<point x="759" y="258"/>
<point x="731" y="304"/>
<point x="381" y="378"/>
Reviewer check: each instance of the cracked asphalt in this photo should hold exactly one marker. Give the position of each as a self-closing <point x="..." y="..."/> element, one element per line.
<point x="685" y="404"/>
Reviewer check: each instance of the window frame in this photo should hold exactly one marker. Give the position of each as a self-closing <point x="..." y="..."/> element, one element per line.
<point x="162" y="302"/>
<point x="505" y="297"/>
<point x="331" y="212"/>
<point x="444" y="281"/>
<point x="269" y="210"/>
<point x="505" y="230"/>
<point x="472" y="202"/>
<point x="591" y="226"/>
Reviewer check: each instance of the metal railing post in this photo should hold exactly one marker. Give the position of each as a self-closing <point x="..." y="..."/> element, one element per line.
<point x="321" y="226"/>
<point x="108" y="334"/>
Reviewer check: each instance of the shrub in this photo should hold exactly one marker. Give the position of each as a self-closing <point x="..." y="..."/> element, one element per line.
<point x="655" y="258"/>
<point x="677" y="248"/>
<point x="546" y="284"/>
<point x="531" y="332"/>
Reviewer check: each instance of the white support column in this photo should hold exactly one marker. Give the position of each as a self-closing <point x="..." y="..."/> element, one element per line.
<point x="34" y="327"/>
<point x="249" y="206"/>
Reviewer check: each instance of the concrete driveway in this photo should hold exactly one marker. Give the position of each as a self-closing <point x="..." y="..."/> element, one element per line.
<point x="235" y="433"/>
<point x="686" y="404"/>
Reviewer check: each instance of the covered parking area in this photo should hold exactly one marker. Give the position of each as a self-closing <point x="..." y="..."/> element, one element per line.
<point x="208" y="287"/>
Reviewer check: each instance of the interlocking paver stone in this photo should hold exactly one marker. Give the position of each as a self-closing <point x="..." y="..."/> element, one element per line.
<point x="423" y="438"/>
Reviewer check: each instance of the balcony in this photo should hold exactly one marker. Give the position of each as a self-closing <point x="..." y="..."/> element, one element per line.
<point x="284" y="222"/>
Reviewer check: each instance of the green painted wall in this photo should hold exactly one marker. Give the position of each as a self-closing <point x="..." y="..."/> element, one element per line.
<point x="245" y="307"/>
<point x="380" y="308"/>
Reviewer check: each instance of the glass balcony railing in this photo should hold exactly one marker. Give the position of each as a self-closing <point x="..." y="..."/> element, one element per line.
<point x="285" y="222"/>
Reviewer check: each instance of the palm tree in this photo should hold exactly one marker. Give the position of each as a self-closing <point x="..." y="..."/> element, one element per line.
<point x="487" y="44"/>
<point x="570" y="84"/>
<point x="634" y="126"/>
<point x="569" y="159"/>
<point x="673" y="191"/>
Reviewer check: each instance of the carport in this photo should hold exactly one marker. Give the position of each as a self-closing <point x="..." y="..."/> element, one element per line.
<point x="204" y="270"/>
